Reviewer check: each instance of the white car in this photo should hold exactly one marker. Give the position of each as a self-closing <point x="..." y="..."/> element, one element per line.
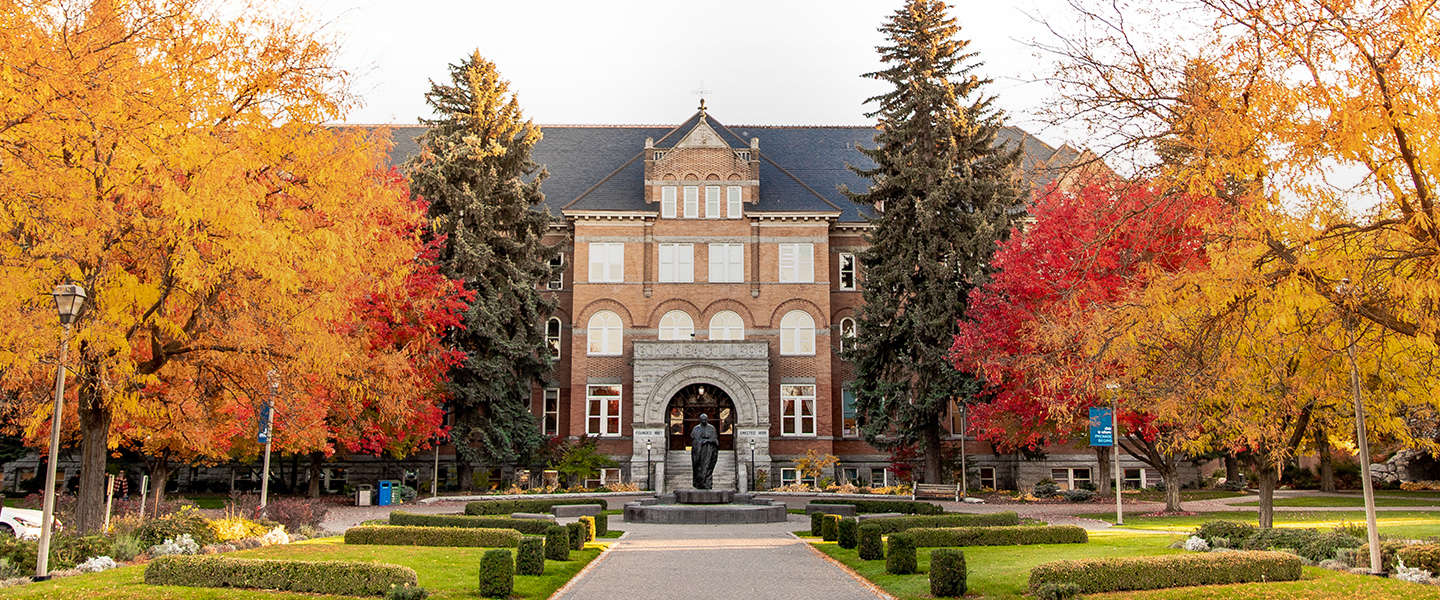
<point x="21" y="522"/>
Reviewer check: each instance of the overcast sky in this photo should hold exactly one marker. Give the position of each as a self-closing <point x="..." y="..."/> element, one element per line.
<point x="774" y="62"/>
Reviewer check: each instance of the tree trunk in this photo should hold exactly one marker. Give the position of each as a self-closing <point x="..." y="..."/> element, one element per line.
<point x="934" y="454"/>
<point x="1327" y="464"/>
<point x="159" y="474"/>
<point x="1102" y="454"/>
<point x="294" y="473"/>
<point x="1268" y="478"/>
<point x="464" y="471"/>
<point x="1171" y="477"/>
<point x="317" y="473"/>
<point x="1232" y="469"/>
<point x="95" y="421"/>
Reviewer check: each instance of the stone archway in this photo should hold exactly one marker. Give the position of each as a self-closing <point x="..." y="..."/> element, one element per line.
<point x="685" y="409"/>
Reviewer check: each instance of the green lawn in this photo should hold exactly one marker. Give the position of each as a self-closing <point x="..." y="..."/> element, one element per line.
<point x="1404" y="524"/>
<point x="1003" y="572"/>
<point x="445" y="572"/>
<point x="1185" y="495"/>
<point x="1330" y="501"/>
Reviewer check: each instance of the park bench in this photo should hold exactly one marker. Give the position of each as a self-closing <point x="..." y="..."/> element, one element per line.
<point x="943" y="491"/>
<point x="576" y="510"/>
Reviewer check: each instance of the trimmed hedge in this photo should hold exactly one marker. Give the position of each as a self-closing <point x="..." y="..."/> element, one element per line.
<point x="602" y="524"/>
<point x="577" y="535"/>
<point x="890" y="525"/>
<point x="830" y="528"/>
<point x="341" y="578"/>
<point x="505" y="507"/>
<point x="462" y="537"/>
<point x="900" y="554"/>
<point x="590" y="530"/>
<point x="846" y="533"/>
<point x="870" y="546"/>
<point x="1096" y="576"/>
<point x="497" y="574"/>
<point x="909" y="507"/>
<point x="530" y="557"/>
<point x="947" y="573"/>
<point x="557" y="543"/>
<point x="530" y="526"/>
<point x="1020" y="535"/>
<point x="817" y="523"/>
<point x="1424" y="556"/>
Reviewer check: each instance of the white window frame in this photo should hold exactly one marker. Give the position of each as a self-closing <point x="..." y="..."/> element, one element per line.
<point x="797" y="334"/>
<point x="692" y="201"/>
<point x="847" y="275"/>
<point x="797" y="263"/>
<point x="1068" y="479"/>
<point x="987" y="474"/>
<point x="677" y="325"/>
<point x="847" y="334"/>
<point x="607" y="262"/>
<point x="677" y="263"/>
<point x="550" y="412"/>
<point x="553" y="327"/>
<point x="602" y="411"/>
<point x="557" y="279"/>
<point x="712" y="201"/>
<point x="794" y="400"/>
<point x="849" y="425"/>
<point x="732" y="200"/>
<point x="667" y="202"/>
<point x="727" y="263"/>
<point x="604" y="334"/>
<point x="731" y="324"/>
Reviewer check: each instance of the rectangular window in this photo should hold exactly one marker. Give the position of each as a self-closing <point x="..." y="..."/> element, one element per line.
<point x="1134" y="479"/>
<point x="797" y="410"/>
<point x="552" y="337"/>
<point x="987" y="478"/>
<point x="732" y="199"/>
<point x="877" y="476"/>
<point x="789" y="476"/>
<point x="712" y="201"/>
<point x="677" y="263"/>
<point x="607" y="262"/>
<point x="847" y="401"/>
<point x="692" y="202"/>
<point x="850" y="475"/>
<point x="602" y="412"/>
<point x="797" y="263"/>
<point x="557" y="273"/>
<point x="847" y="271"/>
<point x="727" y="263"/>
<point x="550" y="413"/>
<point x="667" y="202"/>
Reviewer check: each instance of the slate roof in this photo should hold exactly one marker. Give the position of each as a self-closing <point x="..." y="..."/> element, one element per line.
<point x="601" y="167"/>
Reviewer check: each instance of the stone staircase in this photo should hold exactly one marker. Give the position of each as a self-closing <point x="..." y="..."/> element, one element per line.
<point x="678" y="475"/>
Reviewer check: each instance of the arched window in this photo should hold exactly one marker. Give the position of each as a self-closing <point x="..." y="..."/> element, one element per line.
<point x="797" y="333"/>
<point x="847" y="334"/>
<point x="604" y="333"/>
<point x="727" y="326"/>
<point x="552" y="337"/>
<point x="676" y="325"/>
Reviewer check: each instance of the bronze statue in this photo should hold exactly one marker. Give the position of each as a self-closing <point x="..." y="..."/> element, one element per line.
<point x="704" y="449"/>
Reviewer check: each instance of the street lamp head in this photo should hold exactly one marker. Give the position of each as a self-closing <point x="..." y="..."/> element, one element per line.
<point x="69" y="299"/>
<point x="274" y="378"/>
<point x="647" y="445"/>
<point x="752" y="444"/>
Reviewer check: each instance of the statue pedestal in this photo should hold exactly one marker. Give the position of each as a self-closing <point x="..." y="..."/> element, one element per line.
<point x="704" y="496"/>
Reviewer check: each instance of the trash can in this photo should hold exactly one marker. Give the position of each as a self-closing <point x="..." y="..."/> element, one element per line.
<point x="363" y="494"/>
<point x="387" y="489"/>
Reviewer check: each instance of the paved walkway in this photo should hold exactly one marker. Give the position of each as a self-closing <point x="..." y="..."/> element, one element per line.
<point x="704" y="562"/>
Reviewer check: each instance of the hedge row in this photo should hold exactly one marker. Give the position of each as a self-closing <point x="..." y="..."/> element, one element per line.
<point x="952" y="537"/>
<point x="1101" y="575"/>
<point x="1424" y="556"/>
<point x="530" y="526"/>
<point x="909" y="507"/>
<point x="463" y="537"/>
<point x="890" y="525"/>
<point x="505" y="507"/>
<point x="342" y="578"/>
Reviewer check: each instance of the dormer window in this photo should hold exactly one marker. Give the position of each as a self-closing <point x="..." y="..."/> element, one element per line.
<point x="659" y="154"/>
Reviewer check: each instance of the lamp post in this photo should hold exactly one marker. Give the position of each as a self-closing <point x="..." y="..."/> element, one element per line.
<point x="69" y="299"/>
<point x="266" y="435"/>
<point x="1115" y="448"/>
<point x="1348" y="295"/>
<point x="753" y="486"/>
<point x="649" y="470"/>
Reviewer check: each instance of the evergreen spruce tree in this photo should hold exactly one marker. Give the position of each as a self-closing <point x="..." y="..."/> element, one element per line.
<point x="942" y="192"/>
<point x="475" y="171"/>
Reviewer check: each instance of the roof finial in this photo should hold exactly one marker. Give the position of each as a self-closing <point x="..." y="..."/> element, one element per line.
<point x="702" y="106"/>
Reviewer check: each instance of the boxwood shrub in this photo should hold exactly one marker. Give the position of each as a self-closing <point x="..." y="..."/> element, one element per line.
<point x="172" y="526"/>
<point x="1101" y="575"/>
<point x="846" y="533"/>
<point x="1019" y="535"/>
<point x="577" y="535"/>
<point x="557" y="543"/>
<point x="1424" y="556"/>
<point x="890" y="525"/>
<point x="530" y="526"/>
<point x="602" y="524"/>
<point x="947" y="573"/>
<point x="909" y="507"/>
<point x="341" y="578"/>
<point x="870" y="547"/>
<point x="589" y="528"/>
<point x="817" y="523"/>
<point x="530" y="556"/>
<point x="505" y="507"/>
<point x="497" y="574"/>
<point x="830" y="528"/>
<point x="900" y="554"/>
<point x="464" y="537"/>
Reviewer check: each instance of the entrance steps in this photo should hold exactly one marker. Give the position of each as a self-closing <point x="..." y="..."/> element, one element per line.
<point x="678" y="475"/>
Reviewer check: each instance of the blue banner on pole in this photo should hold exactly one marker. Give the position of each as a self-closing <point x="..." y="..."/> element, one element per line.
<point x="1102" y="427"/>
<point x="264" y="424"/>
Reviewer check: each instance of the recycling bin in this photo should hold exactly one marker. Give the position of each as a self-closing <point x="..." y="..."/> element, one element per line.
<point x="387" y="491"/>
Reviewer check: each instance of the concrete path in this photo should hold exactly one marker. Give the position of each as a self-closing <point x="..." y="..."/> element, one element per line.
<point x="705" y="562"/>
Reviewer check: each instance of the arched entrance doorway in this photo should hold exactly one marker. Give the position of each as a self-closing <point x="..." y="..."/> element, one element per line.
<point x="689" y="403"/>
